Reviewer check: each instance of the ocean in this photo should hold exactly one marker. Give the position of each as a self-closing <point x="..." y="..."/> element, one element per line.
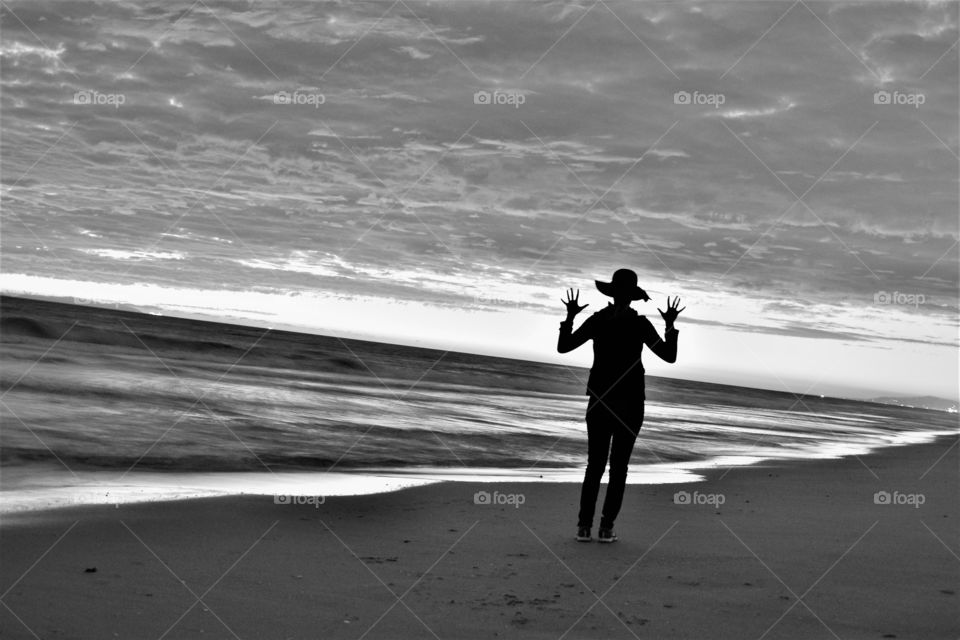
<point x="102" y="405"/>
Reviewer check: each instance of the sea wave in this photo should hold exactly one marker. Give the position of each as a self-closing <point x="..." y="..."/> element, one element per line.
<point x="89" y="388"/>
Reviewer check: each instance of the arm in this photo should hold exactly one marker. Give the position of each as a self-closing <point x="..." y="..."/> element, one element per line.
<point x="570" y="339"/>
<point x="666" y="348"/>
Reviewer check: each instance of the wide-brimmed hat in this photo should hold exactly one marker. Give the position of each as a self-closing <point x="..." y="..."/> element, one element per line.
<point x="623" y="285"/>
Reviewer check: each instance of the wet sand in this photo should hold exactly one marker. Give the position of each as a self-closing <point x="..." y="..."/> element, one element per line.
<point x="795" y="550"/>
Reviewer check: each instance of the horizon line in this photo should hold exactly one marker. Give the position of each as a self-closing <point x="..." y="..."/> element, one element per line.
<point x="386" y="339"/>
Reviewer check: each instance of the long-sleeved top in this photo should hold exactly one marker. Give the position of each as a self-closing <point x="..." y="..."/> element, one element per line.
<point x="618" y="339"/>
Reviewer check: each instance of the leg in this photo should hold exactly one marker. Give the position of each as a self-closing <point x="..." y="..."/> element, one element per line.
<point x="624" y="437"/>
<point x="598" y="439"/>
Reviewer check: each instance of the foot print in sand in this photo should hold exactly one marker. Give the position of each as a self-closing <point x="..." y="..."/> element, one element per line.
<point x="633" y="619"/>
<point x="519" y="619"/>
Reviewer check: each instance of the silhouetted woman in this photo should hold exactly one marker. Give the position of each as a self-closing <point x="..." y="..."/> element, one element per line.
<point x="615" y="388"/>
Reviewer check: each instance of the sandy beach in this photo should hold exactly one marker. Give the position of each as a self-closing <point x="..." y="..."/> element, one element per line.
<point x="796" y="550"/>
<point x="313" y="313"/>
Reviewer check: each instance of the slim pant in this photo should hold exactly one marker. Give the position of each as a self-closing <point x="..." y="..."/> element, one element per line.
<point x="612" y="428"/>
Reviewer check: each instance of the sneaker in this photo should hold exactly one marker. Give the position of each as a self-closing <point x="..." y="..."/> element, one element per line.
<point x="583" y="534"/>
<point x="606" y="535"/>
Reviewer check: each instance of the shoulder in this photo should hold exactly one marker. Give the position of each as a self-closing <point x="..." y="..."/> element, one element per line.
<point x="644" y="323"/>
<point x="594" y="319"/>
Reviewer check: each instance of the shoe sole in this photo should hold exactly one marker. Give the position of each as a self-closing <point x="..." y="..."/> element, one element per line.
<point x="579" y="539"/>
<point x="606" y="540"/>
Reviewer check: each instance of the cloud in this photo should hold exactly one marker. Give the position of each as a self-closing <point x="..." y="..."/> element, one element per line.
<point x="740" y="114"/>
<point x="413" y="52"/>
<point x="399" y="171"/>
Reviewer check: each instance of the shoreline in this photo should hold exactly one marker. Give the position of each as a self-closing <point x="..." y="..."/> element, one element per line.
<point x="794" y="550"/>
<point x="45" y="487"/>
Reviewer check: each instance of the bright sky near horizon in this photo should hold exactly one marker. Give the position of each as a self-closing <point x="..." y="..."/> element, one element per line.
<point x="438" y="173"/>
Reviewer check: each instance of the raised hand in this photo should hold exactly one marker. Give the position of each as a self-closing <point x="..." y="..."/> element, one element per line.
<point x="573" y="303"/>
<point x="670" y="315"/>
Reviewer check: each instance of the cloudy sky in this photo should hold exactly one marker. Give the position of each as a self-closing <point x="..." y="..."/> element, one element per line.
<point x="438" y="172"/>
